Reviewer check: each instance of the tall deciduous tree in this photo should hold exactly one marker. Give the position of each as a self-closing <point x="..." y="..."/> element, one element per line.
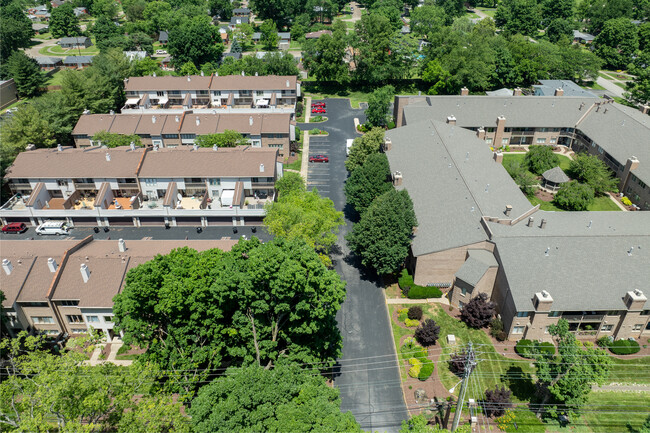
<point x="196" y="41"/>
<point x="280" y="11"/>
<point x="64" y="22"/>
<point x="383" y="235"/>
<point x="378" y="104"/>
<point x="221" y="8"/>
<point x="594" y="172"/>
<point x="564" y="381"/>
<point x="538" y="159"/>
<point x="364" y="146"/>
<point x="258" y="303"/>
<point x="323" y="57"/>
<point x="15" y="32"/>
<point x="518" y="16"/>
<point x="283" y="399"/>
<point x="368" y="182"/>
<point x="639" y="87"/>
<point x="290" y="183"/>
<point x="617" y="42"/>
<point x="270" y="37"/>
<point x="438" y="77"/>
<point x="26" y="74"/>
<point x="427" y="19"/>
<point x="374" y="61"/>
<point x="25" y="127"/>
<point x="574" y="196"/>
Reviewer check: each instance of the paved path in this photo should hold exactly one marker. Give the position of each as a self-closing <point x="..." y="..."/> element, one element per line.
<point x="33" y="51"/>
<point x="610" y="87"/>
<point x="367" y="374"/>
<point x="443" y="301"/>
<point x="94" y="358"/>
<point x="621" y="388"/>
<point x="482" y="15"/>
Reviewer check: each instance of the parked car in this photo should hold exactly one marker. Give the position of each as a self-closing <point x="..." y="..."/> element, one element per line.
<point x="161" y="52"/>
<point x="318" y="111"/>
<point x="53" y="228"/>
<point x="319" y="158"/>
<point x="14" y="228"/>
<point x="318" y="104"/>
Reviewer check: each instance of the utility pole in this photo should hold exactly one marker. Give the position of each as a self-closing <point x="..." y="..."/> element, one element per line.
<point x="470" y="363"/>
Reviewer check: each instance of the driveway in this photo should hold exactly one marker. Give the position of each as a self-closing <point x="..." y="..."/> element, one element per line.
<point x="33" y="51"/>
<point x="367" y="374"/>
<point x="610" y="87"/>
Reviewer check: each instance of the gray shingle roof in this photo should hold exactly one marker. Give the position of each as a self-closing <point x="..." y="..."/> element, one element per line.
<point x="476" y="265"/>
<point x="548" y="87"/>
<point x="555" y="175"/>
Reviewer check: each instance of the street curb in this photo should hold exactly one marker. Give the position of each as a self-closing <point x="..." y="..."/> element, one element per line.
<point x="304" y="166"/>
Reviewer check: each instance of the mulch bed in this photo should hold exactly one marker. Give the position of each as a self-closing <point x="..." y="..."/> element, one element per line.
<point x="544" y="196"/>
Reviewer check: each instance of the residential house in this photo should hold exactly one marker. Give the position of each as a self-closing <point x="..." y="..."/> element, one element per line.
<point x="478" y="233"/>
<point x="49" y="63"/>
<point x="235" y="21"/>
<point x="77" y="62"/>
<point x="8" y="93"/>
<point x="560" y="88"/>
<point x="273" y="130"/>
<point x="40" y="28"/>
<point x="207" y="94"/>
<point x="75" y="42"/>
<point x="166" y="64"/>
<point x="163" y="37"/>
<point x="318" y="34"/>
<point x="186" y="185"/>
<point x="79" y="11"/>
<point x="241" y="12"/>
<point x="68" y="286"/>
<point x="582" y="38"/>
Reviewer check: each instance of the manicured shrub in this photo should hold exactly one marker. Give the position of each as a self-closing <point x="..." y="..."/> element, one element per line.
<point x="528" y="348"/>
<point x="546" y="347"/>
<point x="626" y="201"/>
<point x="574" y="196"/>
<point x="426" y="370"/>
<point x="478" y="312"/>
<point x="415" y="312"/>
<point x="421" y="292"/>
<point x="405" y="280"/>
<point x="605" y="341"/>
<point x="496" y="327"/>
<point x="409" y="347"/>
<point x="402" y="314"/>
<point x="497" y="401"/>
<point x="457" y="362"/>
<point x="502" y="336"/>
<point x="411" y="323"/>
<point x="624" y="347"/>
<point x="524" y="347"/>
<point x="416" y="367"/>
<point x="540" y="158"/>
<point x="427" y="334"/>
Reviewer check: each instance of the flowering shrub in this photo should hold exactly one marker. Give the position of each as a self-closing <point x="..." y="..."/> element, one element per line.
<point x="411" y="323"/>
<point x="506" y="420"/>
<point x="626" y="201"/>
<point x="416" y="366"/>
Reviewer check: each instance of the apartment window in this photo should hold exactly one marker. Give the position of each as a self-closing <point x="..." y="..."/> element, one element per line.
<point x="81" y="136"/>
<point x="555" y="314"/>
<point x="613" y="313"/>
<point x="543" y="129"/>
<point x="518" y="330"/>
<point x="541" y="140"/>
<point x="637" y="327"/>
<point x="259" y="92"/>
<point x="553" y="140"/>
<point x="79" y="330"/>
<point x="522" y="314"/>
<point x="277" y="146"/>
<point x="488" y="140"/>
<point x="108" y="319"/>
<point x="36" y="304"/>
<point x="188" y="136"/>
<point x="645" y="313"/>
<point x="93" y="319"/>
<point x="490" y="129"/>
<point x="216" y="92"/>
<point x="202" y="92"/>
<point x="215" y="181"/>
<point x="463" y="291"/>
<point x="150" y="182"/>
<point x="607" y="328"/>
<point x="160" y="93"/>
<point x="504" y="141"/>
<point x="75" y="318"/>
<point x="50" y="331"/>
<point x="170" y="136"/>
<point x="69" y="303"/>
<point x="175" y="92"/>
<point x="62" y="182"/>
<point x="42" y="319"/>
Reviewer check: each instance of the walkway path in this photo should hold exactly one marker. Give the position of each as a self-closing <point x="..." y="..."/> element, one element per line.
<point x="622" y="388"/>
<point x="33" y="51"/>
<point x="443" y="301"/>
<point x="94" y="358"/>
<point x="482" y="15"/>
<point x="610" y="87"/>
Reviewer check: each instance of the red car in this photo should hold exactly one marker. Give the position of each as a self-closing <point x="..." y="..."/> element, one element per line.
<point x="14" y="228"/>
<point x="319" y="158"/>
<point x="318" y="111"/>
<point x="318" y="104"/>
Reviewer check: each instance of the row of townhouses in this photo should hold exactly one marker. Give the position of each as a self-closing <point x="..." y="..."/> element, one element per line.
<point x="267" y="130"/>
<point x="478" y="233"/>
<point x="68" y="286"/>
<point x="214" y="93"/>
<point x="130" y="185"/>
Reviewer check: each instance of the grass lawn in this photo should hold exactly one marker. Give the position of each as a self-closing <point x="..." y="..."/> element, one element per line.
<point x="43" y="36"/>
<point x="611" y="411"/>
<point x="294" y="45"/>
<point x="55" y="79"/>
<point x="471" y="15"/>
<point x="297" y="164"/>
<point x="596" y="86"/>
<point x="488" y="11"/>
<point x="627" y="371"/>
<point x="58" y="51"/>
<point x="565" y="161"/>
<point x="15" y="104"/>
<point x="600" y="204"/>
<point x="355" y="96"/>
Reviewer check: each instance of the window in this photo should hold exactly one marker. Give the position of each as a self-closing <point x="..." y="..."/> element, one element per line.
<point x="188" y="136"/>
<point x="108" y="319"/>
<point x="42" y="319"/>
<point x="175" y="92"/>
<point x="75" y="318"/>
<point x="518" y="330"/>
<point x="69" y="303"/>
<point x="36" y="304"/>
<point x="160" y="93"/>
<point x="50" y="331"/>
<point x="645" y="313"/>
<point x="277" y="146"/>
<point x="216" y="92"/>
<point x="215" y="181"/>
<point x="488" y="140"/>
<point x="62" y="182"/>
<point x="613" y="313"/>
<point x="168" y="136"/>
<point x="79" y="330"/>
<point x="541" y="140"/>
<point x="553" y="140"/>
<point x="93" y="319"/>
<point x="463" y="291"/>
<point x="259" y="92"/>
<point x="522" y="314"/>
<point x="460" y="305"/>
<point x="202" y="92"/>
<point x="637" y="327"/>
<point x="504" y="141"/>
<point x="607" y="328"/>
<point x="150" y="182"/>
<point x="555" y="314"/>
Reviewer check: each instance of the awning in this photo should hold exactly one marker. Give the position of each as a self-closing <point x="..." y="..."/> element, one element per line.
<point x="132" y="101"/>
<point x="227" y="196"/>
<point x="262" y="102"/>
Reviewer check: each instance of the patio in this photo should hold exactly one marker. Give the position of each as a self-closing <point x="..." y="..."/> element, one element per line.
<point x="189" y="203"/>
<point x="85" y="203"/>
<point x="121" y="203"/>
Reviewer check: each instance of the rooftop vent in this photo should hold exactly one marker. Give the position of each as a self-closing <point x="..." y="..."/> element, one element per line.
<point x="487" y="187"/>
<point x="256" y="74"/>
<point x="545" y="294"/>
<point x="250" y="120"/>
<point x="261" y="168"/>
<point x="59" y="147"/>
<point x="451" y="120"/>
<point x="202" y="74"/>
<point x="51" y="264"/>
<point x="589" y="226"/>
<point x="132" y="146"/>
<point x="85" y="272"/>
<point x="508" y="209"/>
<point x="189" y="78"/>
<point x="112" y="113"/>
<point x="154" y="74"/>
<point x="153" y="119"/>
<point x="397" y="178"/>
<point x="198" y="121"/>
<point x="30" y="146"/>
<point x="542" y="224"/>
<point x="287" y="83"/>
<point x="548" y="249"/>
<point x="108" y="156"/>
<point x="638" y="292"/>
<point x="155" y="147"/>
<point x="531" y="220"/>
<point x="215" y="147"/>
<point x="195" y="146"/>
<point x="243" y="74"/>
<point x="7" y="266"/>
<point x="629" y="252"/>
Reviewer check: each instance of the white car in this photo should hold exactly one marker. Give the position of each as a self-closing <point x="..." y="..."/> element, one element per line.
<point x="348" y="146"/>
<point x="161" y="52"/>
<point x="53" y="228"/>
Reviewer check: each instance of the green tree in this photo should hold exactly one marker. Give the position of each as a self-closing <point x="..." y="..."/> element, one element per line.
<point x="383" y="235"/>
<point x="25" y="127"/>
<point x="228" y="138"/>
<point x="26" y="74"/>
<point x="594" y="172"/>
<point x="63" y="21"/>
<point x="306" y="216"/>
<point x="598" y="12"/>
<point x="188" y="68"/>
<point x="258" y="303"/>
<point x="279" y="64"/>
<point x="557" y="9"/>
<point x="437" y="77"/>
<point x="41" y="391"/>
<point x="526" y="181"/>
<point x="538" y="159"/>
<point x="323" y="57"/>
<point x="134" y="9"/>
<point x="419" y="424"/>
<point x="290" y="183"/>
<point x="564" y="381"/>
<point x="107" y="8"/>
<point x="221" y="8"/>
<point x="574" y="196"/>
<point x="15" y="32"/>
<point x="373" y="38"/>
<point x="378" y="104"/>
<point x="270" y="37"/>
<point x="144" y="67"/>
<point x="453" y="8"/>
<point x="368" y="182"/>
<point x="111" y="140"/>
<point x="284" y="399"/>
<point x="158" y="14"/>
<point x="427" y="19"/>
<point x="518" y="16"/>
<point x="195" y="41"/>
<point x="617" y="42"/>
<point x="559" y="28"/>
<point x="639" y="87"/>
<point x="280" y="11"/>
<point x="364" y="146"/>
<point x="104" y="30"/>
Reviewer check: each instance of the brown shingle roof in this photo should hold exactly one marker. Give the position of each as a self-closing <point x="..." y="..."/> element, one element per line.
<point x="166" y="82"/>
<point x="199" y="124"/>
<point x="250" y="82"/>
<point x="125" y="124"/>
<point x="184" y="161"/>
<point x="318" y="34"/>
<point x="76" y="163"/>
<point x="90" y="124"/>
<point x="151" y="124"/>
<point x="108" y="267"/>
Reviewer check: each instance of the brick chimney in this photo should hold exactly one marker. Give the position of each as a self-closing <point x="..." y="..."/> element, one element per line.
<point x="397" y="178"/>
<point x="480" y="133"/>
<point x="498" y="135"/>
<point x="559" y="92"/>
<point x="635" y="300"/>
<point x="498" y="157"/>
<point x="543" y="301"/>
<point x="645" y="109"/>
<point x="631" y="164"/>
<point x="508" y="210"/>
<point x="516" y="91"/>
<point x="464" y="91"/>
<point x="388" y="144"/>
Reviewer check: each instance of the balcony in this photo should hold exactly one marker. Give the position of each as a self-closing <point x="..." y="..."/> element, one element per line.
<point x="16" y="202"/>
<point x="583" y="317"/>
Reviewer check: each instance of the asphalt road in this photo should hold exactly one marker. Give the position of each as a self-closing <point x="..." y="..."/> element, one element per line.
<point x="368" y="373"/>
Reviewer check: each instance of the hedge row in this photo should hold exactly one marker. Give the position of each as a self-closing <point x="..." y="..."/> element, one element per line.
<point x="413" y="291"/>
<point x="624" y="347"/>
<point x="528" y="348"/>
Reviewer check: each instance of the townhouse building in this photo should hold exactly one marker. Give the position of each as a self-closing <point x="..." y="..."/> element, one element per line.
<point x="617" y="134"/>
<point x="212" y="94"/>
<point x="265" y="130"/>
<point x="478" y="233"/>
<point x="135" y="186"/>
<point x="68" y="286"/>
